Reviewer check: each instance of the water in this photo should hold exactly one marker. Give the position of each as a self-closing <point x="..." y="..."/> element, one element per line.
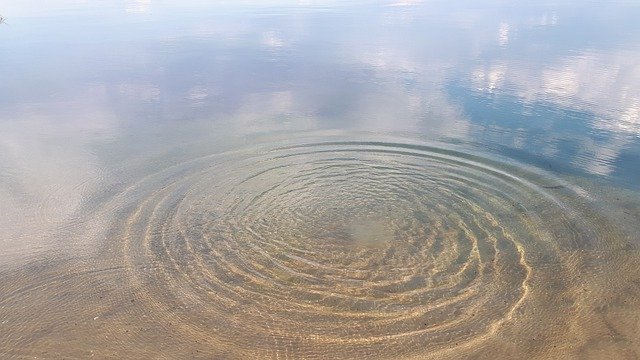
<point x="410" y="180"/>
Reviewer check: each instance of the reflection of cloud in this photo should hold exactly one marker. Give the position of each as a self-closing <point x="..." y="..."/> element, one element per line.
<point x="490" y="79"/>
<point x="48" y="167"/>
<point x="140" y="92"/>
<point x="406" y="2"/>
<point x="386" y="60"/>
<point x="429" y="113"/>
<point x="137" y="6"/>
<point x="198" y="93"/>
<point x="548" y="19"/>
<point x="599" y="159"/>
<point x="408" y="96"/>
<point x="274" y="111"/>
<point x="272" y="39"/>
<point x="604" y="84"/>
<point x="630" y="119"/>
<point x="503" y="34"/>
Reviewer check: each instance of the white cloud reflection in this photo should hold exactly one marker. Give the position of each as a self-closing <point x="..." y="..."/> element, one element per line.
<point x="269" y="112"/>
<point x="272" y="39"/>
<point x="137" y="6"/>
<point x="380" y="77"/>
<point x="503" y="34"/>
<point x="139" y="92"/>
<point x="48" y="167"/>
<point x="606" y="84"/>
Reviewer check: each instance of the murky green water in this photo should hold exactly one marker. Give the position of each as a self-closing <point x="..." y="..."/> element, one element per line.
<point x="305" y="180"/>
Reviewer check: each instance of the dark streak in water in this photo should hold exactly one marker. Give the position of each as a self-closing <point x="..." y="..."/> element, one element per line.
<point x="553" y="187"/>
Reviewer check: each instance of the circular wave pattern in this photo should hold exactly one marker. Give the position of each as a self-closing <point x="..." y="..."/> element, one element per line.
<point x="353" y="248"/>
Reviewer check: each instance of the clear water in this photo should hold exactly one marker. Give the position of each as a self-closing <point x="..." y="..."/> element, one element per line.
<point x="302" y="179"/>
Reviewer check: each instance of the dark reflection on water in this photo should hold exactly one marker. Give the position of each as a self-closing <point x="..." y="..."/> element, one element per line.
<point x="400" y="179"/>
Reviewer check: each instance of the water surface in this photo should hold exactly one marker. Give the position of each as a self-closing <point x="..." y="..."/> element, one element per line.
<point x="411" y="180"/>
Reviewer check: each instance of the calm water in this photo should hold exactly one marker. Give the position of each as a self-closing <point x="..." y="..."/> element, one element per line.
<point x="300" y="179"/>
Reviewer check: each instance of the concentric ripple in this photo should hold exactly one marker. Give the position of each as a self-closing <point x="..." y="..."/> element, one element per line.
<point x="344" y="248"/>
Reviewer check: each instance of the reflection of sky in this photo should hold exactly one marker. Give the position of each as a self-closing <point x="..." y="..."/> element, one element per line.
<point x="554" y="82"/>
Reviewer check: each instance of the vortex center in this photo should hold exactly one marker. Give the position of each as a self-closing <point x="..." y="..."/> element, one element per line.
<point x="370" y="231"/>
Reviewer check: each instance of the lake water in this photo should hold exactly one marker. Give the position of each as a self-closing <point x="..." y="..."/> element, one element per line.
<point x="320" y="180"/>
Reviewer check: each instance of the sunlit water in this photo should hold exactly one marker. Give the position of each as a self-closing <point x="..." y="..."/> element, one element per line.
<point x="392" y="180"/>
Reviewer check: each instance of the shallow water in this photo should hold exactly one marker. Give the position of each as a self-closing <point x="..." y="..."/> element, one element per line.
<point x="410" y="180"/>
